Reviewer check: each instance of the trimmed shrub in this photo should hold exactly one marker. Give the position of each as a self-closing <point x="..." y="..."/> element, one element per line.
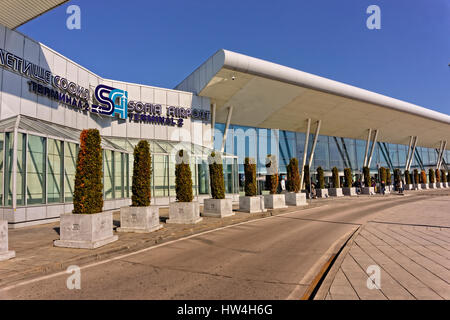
<point x="348" y="176"/>
<point x="250" y="177"/>
<point x="383" y="174"/>
<point x="335" y="177"/>
<point x="407" y="177"/>
<point x="423" y="176"/>
<point x="142" y="173"/>
<point x="444" y="176"/>
<point x="438" y="176"/>
<point x="271" y="179"/>
<point x="307" y="178"/>
<point x="183" y="180"/>
<point x="88" y="193"/>
<point x="416" y="176"/>
<point x="388" y="176"/>
<point x="320" y="178"/>
<point x="367" y="179"/>
<point x="217" y="181"/>
<point x="293" y="176"/>
<point x="431" y="175"/>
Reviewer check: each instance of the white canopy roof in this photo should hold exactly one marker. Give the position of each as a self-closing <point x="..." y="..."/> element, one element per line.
<point x="268" y="95"/>
<point x="14" y="13"/>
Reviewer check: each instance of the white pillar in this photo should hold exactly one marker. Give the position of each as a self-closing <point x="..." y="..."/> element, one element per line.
<point x="311" y="156"/>
<point x="227" y="126"/>
<point x="412" y="153"/>
<point x="373" y="147"/>
<point x="409" y="152"/>
<point x="305" y="152"/>
<point x="213" y="123"/>
<point x="14" y="164"/>
<point x="369" y="136"/>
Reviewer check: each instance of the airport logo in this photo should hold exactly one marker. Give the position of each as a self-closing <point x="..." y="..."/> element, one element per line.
<point x="111" y="101"/>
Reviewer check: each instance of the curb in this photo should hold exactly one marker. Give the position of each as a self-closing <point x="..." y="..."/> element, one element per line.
<point x="328" y="277"/>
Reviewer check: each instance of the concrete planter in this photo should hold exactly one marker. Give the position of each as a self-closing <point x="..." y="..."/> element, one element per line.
<point x="368" y="190"/>
<point x="85" y="231"/>
<point x="444" y="184"/>
<point x="322" y="193"/>
<point x="424" y="186"/>
<point x="295" y="199"/>
<point x="184" y="212"/>
<point x="139" y="219"/>
<point x="409" y="187"/>
<point x="349" y="191"/>
<point x="432" y="185"/>
<point x="218" y="208"/>
<point x="439" y="185"/>
<point x="335" y="192"/>
<point x="418" y="187"/>
<point x="251" y="204"/>
<point x="274" y="201"/>
<point x="5" y="254"/>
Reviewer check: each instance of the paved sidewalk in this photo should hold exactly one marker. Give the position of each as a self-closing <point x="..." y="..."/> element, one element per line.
<point x="411" y="246"/>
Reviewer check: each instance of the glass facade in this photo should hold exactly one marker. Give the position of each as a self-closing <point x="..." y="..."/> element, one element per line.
<point x="330" y="152"/>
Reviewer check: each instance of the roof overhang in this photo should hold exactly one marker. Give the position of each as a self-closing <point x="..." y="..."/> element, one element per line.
<point x="268" y="95"/>
<point x="14" y="13"/>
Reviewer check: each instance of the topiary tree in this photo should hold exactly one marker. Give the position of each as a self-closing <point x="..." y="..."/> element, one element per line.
<point x="307" y="177"/>
<point x="423" y="176"/>
<point x="142" y="173"/>
<point x="335" y="178"/>
<point x="448" y="176"/>
<point x="293" y="176"/>
<point x="217" y="181"/>
<point x="88" y="193"/>
<point x="348" y="177"/>
<point x="407" y="177"/>
<point x="388" y="176"/>
<point x="183" y="178"/>
<point x="416" y="176"/>
<point x="367" y="179"/>
<point x="431" y="175"/>
<point x="383" y="174"/>
<point x="444" y="176"/>
<point x="320" y="178"/>
<point x="438" y="176"/>
<point x="272" y="176"/>
<point x="250" y="177"/>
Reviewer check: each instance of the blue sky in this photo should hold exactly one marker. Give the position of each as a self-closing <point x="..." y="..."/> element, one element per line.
<point x="159" y="43"/>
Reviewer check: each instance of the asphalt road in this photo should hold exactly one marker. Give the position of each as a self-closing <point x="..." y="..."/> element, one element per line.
<point x="261" y="259"/>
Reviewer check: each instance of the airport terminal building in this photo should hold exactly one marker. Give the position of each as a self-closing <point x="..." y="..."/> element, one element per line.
<point x="242" y="106"/>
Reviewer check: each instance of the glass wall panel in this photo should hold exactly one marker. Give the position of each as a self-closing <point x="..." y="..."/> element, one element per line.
<point x="36" y="170"/>
<point x="130" y="164"/>
<point x="321" y="154"/>
<point x="161" y="176"/>
<point x="118" y="174"/>
<point x="55" y="173"/>
<point x="108" y="174"/>
<point x="21" y="162"/>
<point x="203" y="176"/>
<point x="70" y="164"/>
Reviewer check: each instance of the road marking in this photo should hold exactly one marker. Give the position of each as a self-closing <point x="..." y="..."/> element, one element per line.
<point x="57" y="274"/>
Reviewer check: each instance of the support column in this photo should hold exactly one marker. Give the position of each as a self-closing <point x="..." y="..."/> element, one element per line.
<point x="409" y="152"/>
<point x="316" y="136"/>
<point x="14" y="164"/>
<point x="441" y="157"/>
<point x="227" y="126"/>
<point x="369" y="136"/>
<point x="373" y="147"/>
<point x="213" y="123"/>
<point x="412" y="153"/>
<point x="305" y="152"/>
